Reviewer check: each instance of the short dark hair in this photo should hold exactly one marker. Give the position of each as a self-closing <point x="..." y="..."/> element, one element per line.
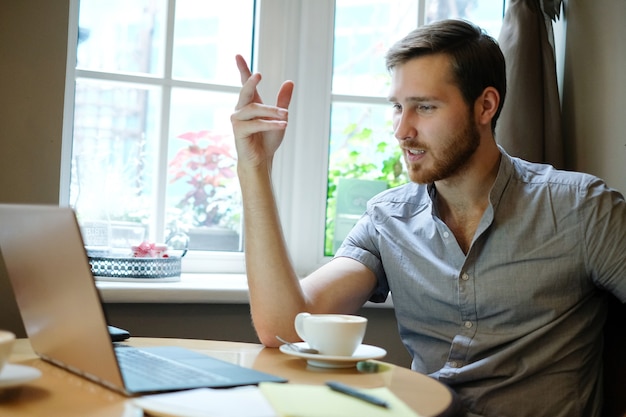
<point x="476" y="58"/>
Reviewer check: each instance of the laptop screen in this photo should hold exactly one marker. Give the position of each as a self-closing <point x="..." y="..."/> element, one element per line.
<point x="54" y="288"/>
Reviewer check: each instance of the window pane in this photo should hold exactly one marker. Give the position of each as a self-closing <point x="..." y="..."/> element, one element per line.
<point x="364" y="30"/>
<point x="487" y="14"/>
<point x="203" y="197"/>
<point x="122" y="36"/>
<point x="361" y="147"/>
<point x="114" y="160"/>
<point x="150" y="157"/>
<point x="206" y="39"/>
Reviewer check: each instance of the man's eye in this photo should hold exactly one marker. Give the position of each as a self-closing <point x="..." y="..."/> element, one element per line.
<point x="425" y="108"/>
<point x="396" y="107"/>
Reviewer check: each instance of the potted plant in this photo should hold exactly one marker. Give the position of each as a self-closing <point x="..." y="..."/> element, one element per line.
<point x="207" y="166"/>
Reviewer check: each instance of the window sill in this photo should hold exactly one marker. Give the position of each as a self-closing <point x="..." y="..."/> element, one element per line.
<point x="192" y="288"/>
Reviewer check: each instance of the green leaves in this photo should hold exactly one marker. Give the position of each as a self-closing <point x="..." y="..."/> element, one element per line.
<point x="361" y="157"/>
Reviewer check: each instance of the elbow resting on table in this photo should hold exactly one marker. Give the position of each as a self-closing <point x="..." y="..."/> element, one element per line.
<point x="267" y="332"/>
<point x="268" y="341"/>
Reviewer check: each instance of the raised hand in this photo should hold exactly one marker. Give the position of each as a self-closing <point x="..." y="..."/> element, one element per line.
<point x="259" y="129"/>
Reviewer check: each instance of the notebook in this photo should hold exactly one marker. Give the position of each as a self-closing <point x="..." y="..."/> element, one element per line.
<point x="65" y="321"/>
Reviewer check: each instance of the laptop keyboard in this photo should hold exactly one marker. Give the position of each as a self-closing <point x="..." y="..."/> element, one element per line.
<point x="138" y="363"/>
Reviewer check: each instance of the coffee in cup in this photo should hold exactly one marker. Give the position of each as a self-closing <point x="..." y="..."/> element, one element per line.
<point x="331" y="334"/>
<point x="6" y="346"/>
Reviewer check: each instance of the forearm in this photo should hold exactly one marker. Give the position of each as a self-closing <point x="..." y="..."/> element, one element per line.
<point x="275" y="292"/>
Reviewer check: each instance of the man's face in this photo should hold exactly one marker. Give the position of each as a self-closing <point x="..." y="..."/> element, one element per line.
<point x="433" y="124"/>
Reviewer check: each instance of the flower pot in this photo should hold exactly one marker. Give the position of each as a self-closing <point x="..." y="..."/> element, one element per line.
<point x="214" y="238"/>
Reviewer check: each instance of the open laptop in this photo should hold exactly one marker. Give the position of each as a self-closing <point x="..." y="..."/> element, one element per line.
<point x="65" y="321"/>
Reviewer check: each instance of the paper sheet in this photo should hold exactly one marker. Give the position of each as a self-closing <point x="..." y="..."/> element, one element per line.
<point x="320" y="401"/>
<point x="206" y="402"/>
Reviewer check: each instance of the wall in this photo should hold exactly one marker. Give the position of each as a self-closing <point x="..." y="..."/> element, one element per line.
<point x="33" y="46"/>
<point x="594" y="89"/>
<point x="33" y="42"/>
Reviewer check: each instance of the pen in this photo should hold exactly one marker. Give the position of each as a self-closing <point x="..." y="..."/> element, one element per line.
<point x="348" y="390"/>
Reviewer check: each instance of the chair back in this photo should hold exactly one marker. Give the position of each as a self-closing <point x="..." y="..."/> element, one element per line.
<point x="615" y="360"/>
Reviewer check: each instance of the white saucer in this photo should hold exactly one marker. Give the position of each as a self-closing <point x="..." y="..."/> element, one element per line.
<point x="362" y="353"/>
<point x="14" y="375"/>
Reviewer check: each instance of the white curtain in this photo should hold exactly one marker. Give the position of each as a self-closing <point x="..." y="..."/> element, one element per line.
<point x="530" y="123"/>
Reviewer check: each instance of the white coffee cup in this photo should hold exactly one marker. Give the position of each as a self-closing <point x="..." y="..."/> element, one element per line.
<point x="331" y="334"/>
<point x="6" y="346"/>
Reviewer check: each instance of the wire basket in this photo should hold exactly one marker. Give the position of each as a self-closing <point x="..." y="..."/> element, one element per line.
<point x="136" y="268"/>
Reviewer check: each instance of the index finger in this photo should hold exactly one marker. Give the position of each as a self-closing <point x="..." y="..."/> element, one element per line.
<point x="244" y="70"/>
<point x="245" y="74"/>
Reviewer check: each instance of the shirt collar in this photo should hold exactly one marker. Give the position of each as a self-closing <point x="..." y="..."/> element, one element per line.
<point x="505" y="172"/>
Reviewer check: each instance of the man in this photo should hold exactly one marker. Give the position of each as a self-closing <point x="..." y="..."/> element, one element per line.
<point x="498" y="267"/>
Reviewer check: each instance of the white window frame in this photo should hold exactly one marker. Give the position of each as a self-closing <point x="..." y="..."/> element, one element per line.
<point x="300" y="174"/>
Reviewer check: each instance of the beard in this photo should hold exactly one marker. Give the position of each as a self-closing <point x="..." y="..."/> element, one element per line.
<point x="448" y="159"/>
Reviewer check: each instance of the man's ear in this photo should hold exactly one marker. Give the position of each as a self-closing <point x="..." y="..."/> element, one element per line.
<point x="486" y="106"/>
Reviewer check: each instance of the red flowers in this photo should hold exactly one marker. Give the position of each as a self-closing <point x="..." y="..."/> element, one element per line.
<point x="150" y="250"/>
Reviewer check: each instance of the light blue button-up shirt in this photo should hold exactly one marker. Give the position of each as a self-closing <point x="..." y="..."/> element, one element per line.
<point x="514" y="326"/>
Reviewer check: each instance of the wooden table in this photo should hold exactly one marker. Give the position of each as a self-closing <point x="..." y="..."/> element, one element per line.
<point x="61" y="393"/>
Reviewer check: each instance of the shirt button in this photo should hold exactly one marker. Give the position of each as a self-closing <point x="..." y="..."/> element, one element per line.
<point x="446" y="235"/>
<point x="465" y="276"/>
<point x="468" y="324"/>
<point x="454" y="364"/>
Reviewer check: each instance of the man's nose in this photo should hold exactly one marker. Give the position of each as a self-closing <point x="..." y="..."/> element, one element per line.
<point x="404" y="128"/>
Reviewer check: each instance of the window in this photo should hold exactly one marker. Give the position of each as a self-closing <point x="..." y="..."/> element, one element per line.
<point x="152" y="153"/>
<point x="363" y="157"/>
<point x="153" y="87"/>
